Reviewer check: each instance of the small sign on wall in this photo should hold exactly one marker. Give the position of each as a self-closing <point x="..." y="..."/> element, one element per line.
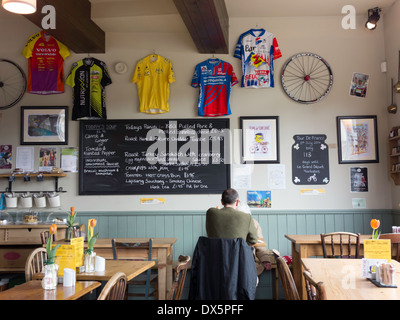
<point x="310" y="160"/>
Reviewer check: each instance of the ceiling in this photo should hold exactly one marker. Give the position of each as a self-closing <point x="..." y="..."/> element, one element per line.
<point x="85" y="22"/>
<point x="162" y="15"/>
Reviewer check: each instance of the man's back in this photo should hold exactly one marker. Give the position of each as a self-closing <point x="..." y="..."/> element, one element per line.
<point x="230" y="223"/>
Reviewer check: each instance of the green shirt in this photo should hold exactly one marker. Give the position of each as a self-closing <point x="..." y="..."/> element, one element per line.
<point x="230" y="223"/>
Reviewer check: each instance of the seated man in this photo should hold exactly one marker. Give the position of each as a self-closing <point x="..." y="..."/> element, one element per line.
<point x="229" y="222"/>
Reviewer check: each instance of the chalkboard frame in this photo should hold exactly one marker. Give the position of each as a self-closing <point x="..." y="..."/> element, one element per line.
<point x="84" y="190"/>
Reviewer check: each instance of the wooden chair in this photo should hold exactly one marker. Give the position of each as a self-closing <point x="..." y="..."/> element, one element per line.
<point x="395" y="241"/>
<point x="35" y="262"/>
<point x="115" y="288"/>
<point x="180" y="276"/>
<point x="44" y="236"/>
<point x="147" y="277"/>
<point x="289" y="287"/>
<point x="315" y="290"/>
<point x="346" y="239"/>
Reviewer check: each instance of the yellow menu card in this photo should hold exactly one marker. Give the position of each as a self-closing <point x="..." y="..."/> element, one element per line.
<point x="65" y="258"/>
<point x="78" y="244"/>
<point x="377" y="249"/>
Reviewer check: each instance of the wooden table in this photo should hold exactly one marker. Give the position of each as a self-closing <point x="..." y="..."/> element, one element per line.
<point x="342" y="279"/>
<point x="32" y="290"/>
<point x="17" y="241"/>
<point x="130" y="268"/>
<point x="162" y="251"/>
<point x="304" y="246"/>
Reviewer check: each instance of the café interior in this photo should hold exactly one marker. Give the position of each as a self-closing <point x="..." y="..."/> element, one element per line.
<point x="111" y="224"/>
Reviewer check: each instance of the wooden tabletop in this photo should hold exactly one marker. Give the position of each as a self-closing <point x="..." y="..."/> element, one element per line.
<point x="32" y="290"/>
<point x="106" y="242"/>
<point x="129" y="267"/>
<point x="343" y="281"/>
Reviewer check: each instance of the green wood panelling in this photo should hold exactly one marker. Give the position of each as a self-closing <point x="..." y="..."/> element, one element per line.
<point x="189" y="226"/>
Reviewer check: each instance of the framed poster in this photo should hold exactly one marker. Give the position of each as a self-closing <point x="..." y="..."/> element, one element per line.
<point x="44" y="125"/>
<point x="260" y="139"/>
<point x="357" y="139"/>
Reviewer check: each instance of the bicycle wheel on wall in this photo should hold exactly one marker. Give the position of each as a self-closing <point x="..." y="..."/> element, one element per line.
<point x="306" y="78"/>
<point x="12" y="83"/>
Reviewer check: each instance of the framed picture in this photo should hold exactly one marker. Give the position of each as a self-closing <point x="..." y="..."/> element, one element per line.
<point x="357" y="139"/>
<point x="44" y="125"/>
<point x="260" y="139"/>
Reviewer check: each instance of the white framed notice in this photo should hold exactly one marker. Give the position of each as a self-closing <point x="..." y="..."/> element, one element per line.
<point x="25" y="158"/>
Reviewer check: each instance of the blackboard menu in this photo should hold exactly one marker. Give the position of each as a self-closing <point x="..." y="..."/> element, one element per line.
<point x="310" y="160"/>
<point x="161" y="156"/>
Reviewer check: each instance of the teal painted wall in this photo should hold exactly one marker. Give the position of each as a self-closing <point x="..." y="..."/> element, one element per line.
<point x="188" y="226"/>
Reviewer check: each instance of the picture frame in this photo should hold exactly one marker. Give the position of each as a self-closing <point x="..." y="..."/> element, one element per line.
<point x="357" y="139"/>
<point x="260" y="139"/>
<point x="44" y="125"/>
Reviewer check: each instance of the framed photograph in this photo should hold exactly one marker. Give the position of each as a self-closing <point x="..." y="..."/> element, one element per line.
<point x="260" y="139"/>
<point x="357" y="139"/>
<point x="44" y="125"/>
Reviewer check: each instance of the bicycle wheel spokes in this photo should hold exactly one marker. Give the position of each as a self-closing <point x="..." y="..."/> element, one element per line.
<point x="12" y="83"/>
<point x="306" y="78"/>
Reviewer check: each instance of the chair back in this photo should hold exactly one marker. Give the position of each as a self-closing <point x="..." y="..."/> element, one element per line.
<point x="179" y="280"/>
<point x="315" y="290"/>
<point x="347" y="240"/>
<point x="288" y="284"/>
<point x="35" y="262"/>
<point x="395" y="241"/>
<point x="222" y="269"/>
<point x="147" y="245"/>
<point x="115" y="288"/>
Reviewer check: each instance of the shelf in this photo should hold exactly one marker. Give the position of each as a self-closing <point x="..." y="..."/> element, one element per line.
<point x="55" y="176"/>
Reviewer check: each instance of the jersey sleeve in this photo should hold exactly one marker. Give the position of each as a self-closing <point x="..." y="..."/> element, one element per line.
<point x="106" y="79"/>
<point x="277" y="51"/>
<point x="28" y="49"/>
<point x="71" y="77"/>
<point x="171" y="75"/>
<point x="196" y="77"/>
<point x="138" y="74"/>
<point x="234" y="79"/>
<point x="238" y="49"/>
<point x="63" y="50"/>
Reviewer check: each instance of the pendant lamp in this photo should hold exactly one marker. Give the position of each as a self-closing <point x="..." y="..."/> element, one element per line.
<point x="19" y="6"/>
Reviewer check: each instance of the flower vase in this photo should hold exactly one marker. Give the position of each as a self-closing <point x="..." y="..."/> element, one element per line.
<point x="69" y="233"/>
<point x="49" y="281"/>
<point x="89" y="260"/>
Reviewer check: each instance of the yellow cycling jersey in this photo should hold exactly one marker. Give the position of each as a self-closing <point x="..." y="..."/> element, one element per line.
<point x="153" y="75"/>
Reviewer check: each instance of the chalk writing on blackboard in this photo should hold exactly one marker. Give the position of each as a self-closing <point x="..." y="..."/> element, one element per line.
<point x="154" y="156"/>
<point x="310" y="160"/>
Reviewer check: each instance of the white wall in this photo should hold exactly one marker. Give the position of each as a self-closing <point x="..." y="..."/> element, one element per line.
<point x="346" y="51"/>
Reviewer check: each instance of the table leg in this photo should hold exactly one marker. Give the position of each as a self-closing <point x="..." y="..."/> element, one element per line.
<point x="162" y="274"/>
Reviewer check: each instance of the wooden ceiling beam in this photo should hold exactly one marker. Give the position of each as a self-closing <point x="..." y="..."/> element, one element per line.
<point x="74" y="26"/>
<point x="207" y="22"/>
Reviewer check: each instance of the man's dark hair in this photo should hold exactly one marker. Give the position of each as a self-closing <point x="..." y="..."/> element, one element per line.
<point x="229" y="196"/>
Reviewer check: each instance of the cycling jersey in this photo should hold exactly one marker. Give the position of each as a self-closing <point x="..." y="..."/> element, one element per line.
<point x="153" y="75"/>
<point x="45" y="57"/>
<point x="88" y="78"/>
<point x="215" y="78"/>
<point x="257" y="49"/>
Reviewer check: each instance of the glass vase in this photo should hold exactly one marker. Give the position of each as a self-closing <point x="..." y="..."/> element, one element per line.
<point x="89" y="260"/>
<point x="49" y="281"/>
<point x="69" y="233"/>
